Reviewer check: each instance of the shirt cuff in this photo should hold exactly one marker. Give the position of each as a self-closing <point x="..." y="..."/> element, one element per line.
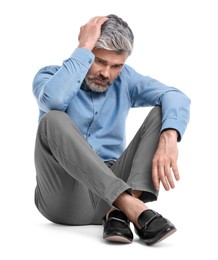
<point x="174" y="124"/>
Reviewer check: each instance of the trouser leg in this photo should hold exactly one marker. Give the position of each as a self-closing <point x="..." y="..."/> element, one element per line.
<point x="70" y="176"/>
<point x="135" y="164"/>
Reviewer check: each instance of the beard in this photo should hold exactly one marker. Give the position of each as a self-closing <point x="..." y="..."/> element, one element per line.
<point x="95" y="87"/>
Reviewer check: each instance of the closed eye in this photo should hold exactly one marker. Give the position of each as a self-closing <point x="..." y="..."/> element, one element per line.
<point x="117" y="66"/>
<point x="99" y="61"/>
<point x="105" y="63"/>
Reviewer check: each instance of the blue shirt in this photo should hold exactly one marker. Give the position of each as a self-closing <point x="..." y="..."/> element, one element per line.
<point x="101" y="117"/>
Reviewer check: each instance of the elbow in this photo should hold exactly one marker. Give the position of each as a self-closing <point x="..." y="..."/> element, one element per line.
<point x="47" y="103"/>
<point x="186" y="99"/>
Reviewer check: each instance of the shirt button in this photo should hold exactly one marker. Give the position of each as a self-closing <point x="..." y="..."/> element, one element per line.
<point x="90" y="61"/>
<point x="89" y="134"/>
<point x="78" y="81"/>
<point x="96" y="113"/>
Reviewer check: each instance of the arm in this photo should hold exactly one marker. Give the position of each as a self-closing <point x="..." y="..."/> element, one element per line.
<point x="146" y="91"/>
<point x="175" y="117"/>
<point x="54" y="86"/>
<point x="175" y="105"/>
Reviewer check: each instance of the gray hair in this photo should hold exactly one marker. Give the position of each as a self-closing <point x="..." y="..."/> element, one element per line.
<point x="116" y="35"/>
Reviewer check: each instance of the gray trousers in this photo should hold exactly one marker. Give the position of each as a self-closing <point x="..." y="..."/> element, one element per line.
<point x="74" y="186"/>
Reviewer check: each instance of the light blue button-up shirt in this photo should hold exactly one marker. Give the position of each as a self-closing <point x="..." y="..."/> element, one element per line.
<point x="101" y="117"/>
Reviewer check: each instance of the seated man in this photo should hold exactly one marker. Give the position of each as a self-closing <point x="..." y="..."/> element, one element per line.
<point x="85" y="173"/>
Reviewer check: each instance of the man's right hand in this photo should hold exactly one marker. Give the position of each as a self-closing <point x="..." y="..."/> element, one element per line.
<point x="90" y="32"/>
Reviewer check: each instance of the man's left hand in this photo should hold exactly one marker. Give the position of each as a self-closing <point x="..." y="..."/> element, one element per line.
<point x="164" y="163"/>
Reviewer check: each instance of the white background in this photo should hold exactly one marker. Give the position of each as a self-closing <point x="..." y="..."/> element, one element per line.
<point x="176" y="43"/>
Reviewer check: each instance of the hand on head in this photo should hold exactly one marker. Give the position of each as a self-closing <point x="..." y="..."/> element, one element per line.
<point x="90" y="32"/>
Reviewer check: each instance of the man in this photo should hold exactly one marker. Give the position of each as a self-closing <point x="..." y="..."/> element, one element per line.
<point x="85" y="174"/>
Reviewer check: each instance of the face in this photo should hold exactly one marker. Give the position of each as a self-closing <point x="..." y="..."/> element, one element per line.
<point x="106" y="67"/>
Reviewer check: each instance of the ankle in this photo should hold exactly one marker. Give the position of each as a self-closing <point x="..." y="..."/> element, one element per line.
<point x="112" y="209"/>
<point x="132" y="207"/>
<point x="137" y="209"/>
<point x="137" y="193"/>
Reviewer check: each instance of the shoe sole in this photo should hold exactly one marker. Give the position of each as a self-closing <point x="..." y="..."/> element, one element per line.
<point x="162" y="236"/>
<point x="118" y="239"/>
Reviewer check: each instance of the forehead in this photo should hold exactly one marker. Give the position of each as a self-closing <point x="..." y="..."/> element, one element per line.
<point x="111" y="57"/>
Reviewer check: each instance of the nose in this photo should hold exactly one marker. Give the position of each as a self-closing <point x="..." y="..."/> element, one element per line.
<point x="105" y="72"/>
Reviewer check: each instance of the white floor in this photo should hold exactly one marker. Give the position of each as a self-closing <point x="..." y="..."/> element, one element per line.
<point x="28" y="236"/>
<point x="175" y="42"/>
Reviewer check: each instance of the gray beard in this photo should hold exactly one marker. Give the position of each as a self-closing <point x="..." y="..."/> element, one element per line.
<point x="94" y="87"/>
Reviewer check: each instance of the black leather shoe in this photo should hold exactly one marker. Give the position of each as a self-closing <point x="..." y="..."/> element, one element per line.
<point x="117" y="228"/>
<point x="154" y="227"/>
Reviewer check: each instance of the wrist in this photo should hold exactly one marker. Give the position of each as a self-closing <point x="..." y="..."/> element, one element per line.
<point x="86" y="46"/>
<point x="170" y="133"/>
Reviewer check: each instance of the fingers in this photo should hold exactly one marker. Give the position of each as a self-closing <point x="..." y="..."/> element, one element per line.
<point x="176" y="172"/>
<point x="155" y="177"/>
<point x="161" y="175"/>
<point x="98" y="19"/>
<point x="90" y="32"/>
<point x="164" y="163"/>
<point x="164" y="173"/>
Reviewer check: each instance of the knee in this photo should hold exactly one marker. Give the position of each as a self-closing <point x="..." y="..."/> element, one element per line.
<point x="156" y="113"/>
<point x="52" y="119"/>
<point x="51" y="116"/>
<point x="155" y="116"/>
<point x="153" y="121"/>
